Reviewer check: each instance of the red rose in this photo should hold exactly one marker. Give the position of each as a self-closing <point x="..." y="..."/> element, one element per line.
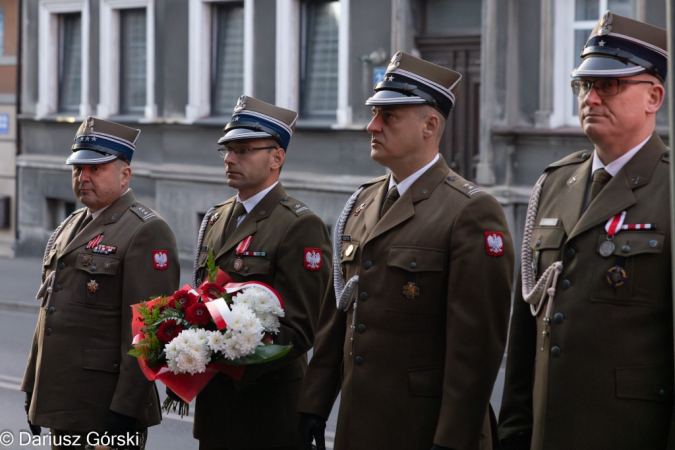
<point x="182" y="297"/>
<point x="212" y="290"/>
<point x="168" y="330"/>
<point x="198" y="314"/>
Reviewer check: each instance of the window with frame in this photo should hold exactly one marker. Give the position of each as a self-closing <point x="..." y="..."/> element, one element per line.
<point x="319" y="60"/>
<point x="227" y="68"/>
<point x="576" y="21"/>
<point x="70" y="62"/>
<point x="133" y="63"/>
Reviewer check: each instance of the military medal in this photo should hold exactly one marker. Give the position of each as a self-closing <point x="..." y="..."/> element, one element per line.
<point x="613" y="226"/>
<point x="242" y="251"/>
<point x="94" y="242"/>
<point x="411" y="291"/>
<point x="238" y="264"/>
<point x="349" y="250"/>
<point x="214" y="218"/>
<point x="359" y="209"/>
<point x="87" y="259"/>
<point x="104" y="249"/>
<point x="92" y="286"/>
<point x="616" y="276"/>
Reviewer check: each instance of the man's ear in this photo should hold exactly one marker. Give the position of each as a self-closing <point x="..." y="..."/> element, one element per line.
<point x="656" y="96"/>
<point x="278" y="158"/>
<point x="125" y="174"/>
<point x="431" y="125"/>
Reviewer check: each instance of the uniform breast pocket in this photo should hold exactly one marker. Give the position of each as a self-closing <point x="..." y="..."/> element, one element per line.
<point x="636" y="271"/>
<point x="546" y="243"/>
<point x="102" y="285"/>
<point x="249" y="266"/>
<point x="417" y="280"/>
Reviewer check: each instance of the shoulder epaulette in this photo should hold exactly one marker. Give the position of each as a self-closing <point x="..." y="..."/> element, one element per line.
<point x="142" y="211"/>
<point x="666" y="156"/>
<point x="574" y="158"/>
<point x="465" y="187"/>
<point x="375" y="180"/>
<point x="295" y="205"/>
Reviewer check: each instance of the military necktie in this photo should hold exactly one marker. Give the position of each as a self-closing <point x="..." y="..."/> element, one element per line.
<point x="600" y="178"/>
<point x="392" y="196"/>
<point x="84" y="223"/>
<point x="234" y="218"/>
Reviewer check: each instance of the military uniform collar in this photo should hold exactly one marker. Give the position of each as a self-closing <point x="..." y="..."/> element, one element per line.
<point x="403" y="185"/>
<point x="250" y="203"/>
<point x="616" y="165"/>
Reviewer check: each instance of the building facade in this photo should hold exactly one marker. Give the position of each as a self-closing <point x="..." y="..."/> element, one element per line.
<point x="9" y="38"/>
<point x="174" y="69"/>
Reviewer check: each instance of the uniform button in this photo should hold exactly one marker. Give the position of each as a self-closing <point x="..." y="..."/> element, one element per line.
<point x="358" y="360"/>
<point x="51" y="310"/>
<point x="57" y="288"/>
<point x="585" y="155"/>
<point x="625" y="248"/>
<point x="555" y="351"/>
<point x="566" y="284"/>
<point x="413" y="265"/>
<point x="363" y="296"/>
<point x="246" y="269"/>
<point x="662" y="393"/>
<point x="62" y="265"/>
<point x="361" y="328"/>
<point x="367" y="265"/>
<point x="93" y="268"/>
<point x="569" y="252"/>
<point x="116" y="366"/>
<point x="558" y="318"/>
<point x="653" y="243"/>
<point x="538" y="243"/>
<point x="49" y="331"/>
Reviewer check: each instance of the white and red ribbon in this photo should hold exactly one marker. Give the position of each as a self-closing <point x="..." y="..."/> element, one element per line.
<point x="220" y="312"/>
<point x="94" y="242"/>
<point x="639" y="226"/>
<point x="614" y="224"/>
<point x="243" y="245"/>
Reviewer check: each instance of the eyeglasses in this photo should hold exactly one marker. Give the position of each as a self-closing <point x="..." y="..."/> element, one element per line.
<point x="605" y="87"/>
<point x="241" y="151"/>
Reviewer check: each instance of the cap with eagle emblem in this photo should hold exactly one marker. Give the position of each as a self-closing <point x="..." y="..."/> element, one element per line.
<point x="99" y="141"/>
<point x="623" y="47"/>
<point x="414" y="81"/>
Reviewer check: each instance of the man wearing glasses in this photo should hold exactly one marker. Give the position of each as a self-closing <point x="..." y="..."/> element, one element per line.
<point x="590" y="358"/>
<point x="262" y="234"/>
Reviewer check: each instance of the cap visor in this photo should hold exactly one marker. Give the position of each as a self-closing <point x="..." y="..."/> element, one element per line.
<point x="240" y="134"/>
<point x="603" y="66"/>
<point x="89" y="157"/>
<point x="387" y="97"/>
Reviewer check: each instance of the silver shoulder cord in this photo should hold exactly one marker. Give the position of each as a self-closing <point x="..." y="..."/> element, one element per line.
<point x="343" y="292"/>
<point x="534" y="294"/>
<point x="200" y="241"/>
<point x="46" y="286"/>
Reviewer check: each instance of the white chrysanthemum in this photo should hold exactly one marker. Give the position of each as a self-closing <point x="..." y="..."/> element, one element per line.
<point x="183" y="340"/>
<point x="270" y="322"/>
<point x="192" y="362"/>
<point x="172" y="365"/>
<point x="248" y="342"/>
<point x="217" y="341"/>
<point x="201" y="335"/>
<point x="243" y="298"/>
<point x="171" y="349"/>
<point x="231" y="350"/>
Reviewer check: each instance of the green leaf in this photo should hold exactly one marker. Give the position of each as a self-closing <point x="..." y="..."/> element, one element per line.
<point x="211" y="268"/>
<point x="262" y="354"/>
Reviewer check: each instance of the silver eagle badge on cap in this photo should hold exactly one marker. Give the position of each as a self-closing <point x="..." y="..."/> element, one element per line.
<point x="395" y="61"/>
<point x="606" y="27"/>
<point x="241" y="104"/>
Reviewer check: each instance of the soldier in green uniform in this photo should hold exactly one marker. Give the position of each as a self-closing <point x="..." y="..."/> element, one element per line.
<point x="262" y="234"/>
<point x="103" y="258"/>
<point x="590" y="359"/>
<point x="413" y="329"/>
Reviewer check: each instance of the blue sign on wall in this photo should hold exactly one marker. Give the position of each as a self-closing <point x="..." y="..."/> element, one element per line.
<point x="4" y="123"/>
<point x="378" y="74"/>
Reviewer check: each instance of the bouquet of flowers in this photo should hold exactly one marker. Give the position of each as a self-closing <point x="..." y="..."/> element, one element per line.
<point x="184" y="340"/>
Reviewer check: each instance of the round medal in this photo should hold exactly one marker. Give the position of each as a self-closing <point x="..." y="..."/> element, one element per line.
<point x="606" y="248"/>
<point x="238" y="264"/>
<point x="616" y="276"/>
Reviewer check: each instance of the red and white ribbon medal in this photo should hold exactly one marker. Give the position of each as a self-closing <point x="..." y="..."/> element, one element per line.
<point x="612" y="227"/>
<point x="241" y="249"/>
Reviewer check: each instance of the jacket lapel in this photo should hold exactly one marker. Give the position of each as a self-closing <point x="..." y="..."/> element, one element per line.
<point x="216" y="233"/>
<point x="250" y="223"/>
<point x="403" y="209"/>
<point x="111" y="215"/>
<point x="571" y="202"/>
<point x="618" y="195"/>
<point x="371" y="210"/>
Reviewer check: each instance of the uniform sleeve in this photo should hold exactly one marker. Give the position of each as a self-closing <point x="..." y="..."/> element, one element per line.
<point x="515" y="417"/>
<point x="478" y="303"/>
<point x="300" y="289"/>
<point x="140" y="282"/>
<point x="324" y="375"/>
